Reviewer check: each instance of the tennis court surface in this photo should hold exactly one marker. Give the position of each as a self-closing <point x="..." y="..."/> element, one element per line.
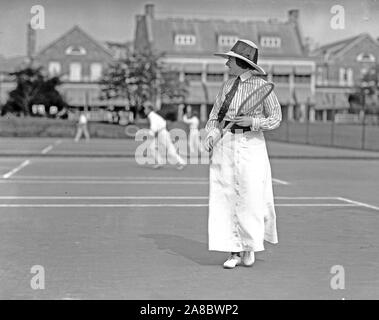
<point x="104" y="227"/>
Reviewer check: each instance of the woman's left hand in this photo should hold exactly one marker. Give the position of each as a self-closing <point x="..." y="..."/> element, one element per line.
<point x="243" y="121"/>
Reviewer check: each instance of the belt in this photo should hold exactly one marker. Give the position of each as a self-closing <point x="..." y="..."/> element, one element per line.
<point x="236" y="127"/>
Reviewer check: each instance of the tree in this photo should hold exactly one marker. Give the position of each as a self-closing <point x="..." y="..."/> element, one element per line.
<point x="366" y="95"/>
<point x="142" y="76"/>
<point x="33" y="87"/>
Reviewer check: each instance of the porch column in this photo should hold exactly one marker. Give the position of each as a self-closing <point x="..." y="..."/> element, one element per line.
<point x="290" y="112"/>
<point x="312" y="114"/>
<point x="203" y="112"/>
<point x="324" y="115"/>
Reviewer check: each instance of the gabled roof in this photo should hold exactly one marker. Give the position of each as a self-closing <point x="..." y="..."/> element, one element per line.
<point x="206" y="32"/>
<point x="76" y="30"/>
<point x="337" y="48"/>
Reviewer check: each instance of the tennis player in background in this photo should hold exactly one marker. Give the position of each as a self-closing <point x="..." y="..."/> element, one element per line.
<point x="162" y="146"/>
<point x="82" y="127"/>
<point x="191" y="118"/>
<point x="241" y="203"/>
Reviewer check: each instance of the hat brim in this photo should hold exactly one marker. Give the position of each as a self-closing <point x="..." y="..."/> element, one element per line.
<point x="236" y="55"/>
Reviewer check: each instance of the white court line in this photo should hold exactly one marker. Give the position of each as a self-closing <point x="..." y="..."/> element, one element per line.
<point x="149" y="182"/>
<point x="101" y="197"/>
<point x="142" y="197"/>
<point x="280" y="181"/>
<point x="149" y="205"/>
<point x="108" y="178"/>
<point x="47" y="149"/>
<point x="308" y="198"/>
<point x="131" y="182"/>
<point x="13" y="171"/>
<point x="362" y="204"/>
<point x="122" y="178"/>
<point x="50" y="147"/>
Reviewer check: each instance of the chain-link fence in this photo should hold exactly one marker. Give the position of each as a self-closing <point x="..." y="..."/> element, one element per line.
<point x="363" y="135"/>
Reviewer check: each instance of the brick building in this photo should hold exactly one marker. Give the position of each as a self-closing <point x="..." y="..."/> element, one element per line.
<point x="340" y="69"/>
<point x="189" y="45"/>
<point x="80" y="61"/>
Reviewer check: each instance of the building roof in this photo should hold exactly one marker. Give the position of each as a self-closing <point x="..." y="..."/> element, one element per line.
<point x="334" y="49"/>
<point x="207" y="31"/>
<point x="76" y="31"/>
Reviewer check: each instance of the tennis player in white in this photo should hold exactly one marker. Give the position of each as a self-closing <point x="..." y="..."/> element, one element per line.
<point x="193" y="121"/>
<point x="241" y="203"/>
<point x="162" y="144"/>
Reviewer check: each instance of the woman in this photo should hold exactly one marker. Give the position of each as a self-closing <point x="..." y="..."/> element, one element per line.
<point x="241" y="205"/>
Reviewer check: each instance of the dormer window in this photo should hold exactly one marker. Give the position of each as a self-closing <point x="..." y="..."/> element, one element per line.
<point x="227" y="41"/>
<point x="271" y="42"/>
<point x="185" y="39"/>
<point x="76" y="51"/>
<point x="366" y="57"/>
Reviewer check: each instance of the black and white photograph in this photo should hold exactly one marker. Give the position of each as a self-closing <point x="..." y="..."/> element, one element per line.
<point x="197" y="150"/>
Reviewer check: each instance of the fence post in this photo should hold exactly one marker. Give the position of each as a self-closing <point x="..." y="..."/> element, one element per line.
<point x="288" y="130"/>
<point x="364" y="121"/>
<point x="307" y="125"/>
<point x="332" y="128"/>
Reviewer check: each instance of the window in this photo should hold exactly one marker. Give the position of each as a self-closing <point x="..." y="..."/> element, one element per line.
<point x="319" y="77"/>
<point x="342" y="76"/>
<point x="227" y="41"/>
<point x="350" y="77"/>
<point x="76" y="51"/>
<point x="280" y="78"/>
<point x="193" y="76"/>
<point x="271" y="42"/>
<point x="366" y="57"/>
<point x="96" y="69"/>
<point x="215" y="77"/>
<point x="54" y="68"/>
<point x="75" y="71"/>
<point x="185" y="39"/>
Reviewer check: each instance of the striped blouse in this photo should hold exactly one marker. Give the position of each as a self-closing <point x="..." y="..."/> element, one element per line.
<point x="267" y="116"/>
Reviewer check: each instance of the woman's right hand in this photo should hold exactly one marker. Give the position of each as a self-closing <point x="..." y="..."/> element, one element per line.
<point x="208" y="145"/>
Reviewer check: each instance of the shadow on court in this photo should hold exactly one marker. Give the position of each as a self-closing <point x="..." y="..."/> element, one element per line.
<point x="190" y="249"/>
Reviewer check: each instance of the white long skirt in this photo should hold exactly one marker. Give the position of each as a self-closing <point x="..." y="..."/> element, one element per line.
<point x="241" y="203"/>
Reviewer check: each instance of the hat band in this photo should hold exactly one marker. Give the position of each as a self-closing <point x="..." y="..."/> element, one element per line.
<point x="245" y="51"/>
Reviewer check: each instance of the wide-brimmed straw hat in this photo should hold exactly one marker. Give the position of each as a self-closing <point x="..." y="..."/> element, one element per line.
<point x="245" y="50"/>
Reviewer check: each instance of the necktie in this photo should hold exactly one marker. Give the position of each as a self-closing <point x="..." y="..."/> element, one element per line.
<point x="228" y="99"/>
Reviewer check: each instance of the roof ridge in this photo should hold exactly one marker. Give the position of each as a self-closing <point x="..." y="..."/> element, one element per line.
<point x="339" y="42"/>
<point x="207" y="20"/>
<point x="71" y="30"/>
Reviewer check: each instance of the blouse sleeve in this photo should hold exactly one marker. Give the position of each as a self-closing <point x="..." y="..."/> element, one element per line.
<point x="273" y="114"/>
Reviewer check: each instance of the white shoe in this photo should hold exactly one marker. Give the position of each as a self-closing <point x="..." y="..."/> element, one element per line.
<point x="248" y="258"/>
<point x="233" y="261"/>
<point x="157" y="166"/>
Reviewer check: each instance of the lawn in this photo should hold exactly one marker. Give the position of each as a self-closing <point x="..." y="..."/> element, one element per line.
<point x="326" y="134"/>
<point x="319" y="133"/>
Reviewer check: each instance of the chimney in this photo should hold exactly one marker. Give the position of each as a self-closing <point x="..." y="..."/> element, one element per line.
<point x="149" y="10"/>
<point x="293" y="16"/>
<point x="30" y="41"/>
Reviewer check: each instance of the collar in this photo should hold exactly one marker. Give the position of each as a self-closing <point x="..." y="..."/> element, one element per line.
<point x="246" y="75"/>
